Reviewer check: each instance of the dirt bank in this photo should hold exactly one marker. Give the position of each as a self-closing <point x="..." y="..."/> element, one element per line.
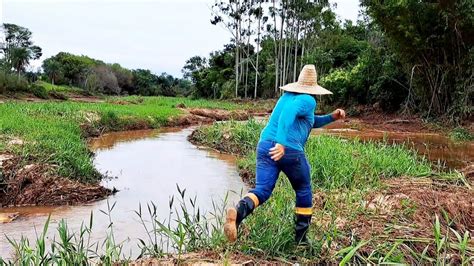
<point x="403" y="209"/>
<point x="209" y="258"/>
<point x="35" y="184"/>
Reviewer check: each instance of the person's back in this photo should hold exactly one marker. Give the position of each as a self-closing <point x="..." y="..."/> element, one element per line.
<point x="294" y="112"/>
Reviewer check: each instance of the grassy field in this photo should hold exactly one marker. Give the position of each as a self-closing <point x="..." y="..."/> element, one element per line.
<point x="54" y="132"/>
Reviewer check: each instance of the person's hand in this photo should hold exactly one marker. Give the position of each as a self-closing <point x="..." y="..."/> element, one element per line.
<point x="338" y="114"/>
<point x="277" y="152"/>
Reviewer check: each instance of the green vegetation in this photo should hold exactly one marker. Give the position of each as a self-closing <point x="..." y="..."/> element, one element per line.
<point x="185" y="230"/>
<point x="85" y="74"/>
<point x="58" y="88"/>
<point x="95" y="76"/>
<point x="336" y="164"/>
<point x="54" y="132"/>
<point x="461" y="134"/>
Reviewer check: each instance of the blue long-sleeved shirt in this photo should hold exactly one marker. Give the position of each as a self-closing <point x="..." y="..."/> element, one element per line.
<point x="292" y="120"/>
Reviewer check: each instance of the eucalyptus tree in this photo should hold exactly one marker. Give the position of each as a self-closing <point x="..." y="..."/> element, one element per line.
<point x="230" y="14"/>
<point x="262" y="20"/>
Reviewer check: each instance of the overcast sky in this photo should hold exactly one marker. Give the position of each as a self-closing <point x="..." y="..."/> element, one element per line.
<point x="158" y="35"/>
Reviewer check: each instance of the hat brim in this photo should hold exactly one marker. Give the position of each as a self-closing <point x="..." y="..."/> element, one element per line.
<point x="314" y="90"/>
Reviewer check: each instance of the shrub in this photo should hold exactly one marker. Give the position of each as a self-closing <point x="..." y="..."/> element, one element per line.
<point x="12" y="83"/>
<point x="39" y="91"/>
<point x="58" y="95"/>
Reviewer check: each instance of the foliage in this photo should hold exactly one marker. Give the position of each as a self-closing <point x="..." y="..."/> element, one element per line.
<point x="420" y="61"/>
<point x="18" y="49"/>
<point x="96" y="76"/>
<point x="12" y="83"/>
<point x="434" y="41"/>
<point x="39" y="91"/>
<point x="461" y="134"/>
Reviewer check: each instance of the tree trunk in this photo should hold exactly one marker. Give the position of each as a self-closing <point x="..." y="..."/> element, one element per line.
<point x="277" y="58"/>
<point x="258" y="49"/>
<point x="284" y="62"/>
<point x="303" y="40"/>
<point x="237" y="39"/>
<point x="280" y="57"/>
<point x="296" y="49"/>
<point x="248" y="57"/>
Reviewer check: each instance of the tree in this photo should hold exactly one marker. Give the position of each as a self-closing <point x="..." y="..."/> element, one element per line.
<point x="434" y="39"/>
<point x="124" y="77"/>
<point x="193" y="64"/>
<point x="52" y="69"/>
<point x="233" y="11"/>
<point x="18" y="49"/>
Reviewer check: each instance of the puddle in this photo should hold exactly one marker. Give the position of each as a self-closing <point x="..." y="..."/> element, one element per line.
<point x="148" y="164"/>
<point x="436" y="147"/>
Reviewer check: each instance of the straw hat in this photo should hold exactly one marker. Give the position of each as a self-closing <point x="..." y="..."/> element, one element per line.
<point x="307" y="83"/>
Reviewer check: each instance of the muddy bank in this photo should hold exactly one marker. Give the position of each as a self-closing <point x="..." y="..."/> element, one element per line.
<point x="210" y="258"/>
<point x="403" y="209"/>
<point x="198" y="116"/>
<point x="36" y="184"/>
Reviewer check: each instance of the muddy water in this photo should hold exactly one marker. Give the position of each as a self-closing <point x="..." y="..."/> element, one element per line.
<point x="437" y="148"/>
<point x="147" y="165"/>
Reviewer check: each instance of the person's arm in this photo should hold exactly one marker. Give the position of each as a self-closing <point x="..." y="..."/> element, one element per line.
<point x="322" y="120"/>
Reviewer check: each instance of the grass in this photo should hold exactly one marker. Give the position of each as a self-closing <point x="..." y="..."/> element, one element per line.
<point x="58" y="88"/>
<point x="335" y="163"/>
<point x="55" y="132"/>
<point x="461" y="134"/>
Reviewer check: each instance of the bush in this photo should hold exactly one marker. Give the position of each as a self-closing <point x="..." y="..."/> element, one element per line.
<point x="12" y="83"/>
<point x="39" y="91"/>
<point x="58" y="95"/>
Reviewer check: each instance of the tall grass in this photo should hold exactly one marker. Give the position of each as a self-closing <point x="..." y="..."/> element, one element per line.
<point x="335" y="162"/>
<point x="186" y="229"/>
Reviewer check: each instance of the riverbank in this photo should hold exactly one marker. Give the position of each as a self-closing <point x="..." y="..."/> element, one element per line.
<point x="44" y="158"/>
<point x="373" y="203"/>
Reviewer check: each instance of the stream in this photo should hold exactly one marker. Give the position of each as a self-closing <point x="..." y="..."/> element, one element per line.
<point x="148" y="166"/>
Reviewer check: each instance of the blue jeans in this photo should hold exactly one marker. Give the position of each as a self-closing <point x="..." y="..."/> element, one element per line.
<point x="295" y="166"/>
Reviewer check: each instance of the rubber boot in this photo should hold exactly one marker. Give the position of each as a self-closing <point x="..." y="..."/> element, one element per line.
<point x="302" y="223"/>
<point x="235" y="216"/>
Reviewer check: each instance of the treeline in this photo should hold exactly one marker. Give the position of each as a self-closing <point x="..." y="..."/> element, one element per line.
<point x="413" y="56"/>
<point x="90" y="75"/>
<point x="96" y="76"/>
